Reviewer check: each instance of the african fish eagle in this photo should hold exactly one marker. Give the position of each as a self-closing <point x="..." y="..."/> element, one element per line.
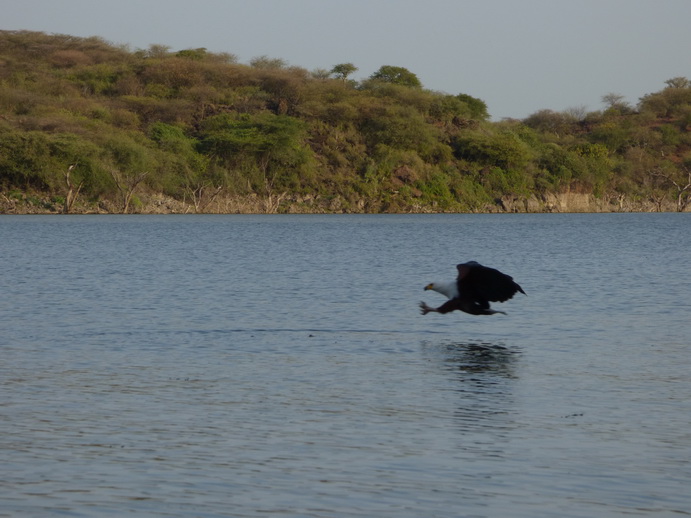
<point x="472" y="291"/>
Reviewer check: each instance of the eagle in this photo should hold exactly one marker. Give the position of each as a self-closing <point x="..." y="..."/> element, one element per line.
<point x="472" y="291"/>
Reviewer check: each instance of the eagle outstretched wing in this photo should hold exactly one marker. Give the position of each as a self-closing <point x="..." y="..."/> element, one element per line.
<point x="483" y="284"/>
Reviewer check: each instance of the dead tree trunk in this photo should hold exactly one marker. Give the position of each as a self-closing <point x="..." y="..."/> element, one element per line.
<point x="72" y="194"/>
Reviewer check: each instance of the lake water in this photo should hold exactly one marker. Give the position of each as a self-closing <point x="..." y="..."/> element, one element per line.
<point x="243" y="366"/>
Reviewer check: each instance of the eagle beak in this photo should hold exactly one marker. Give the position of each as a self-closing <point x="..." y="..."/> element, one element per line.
<point x="428" y="287"/>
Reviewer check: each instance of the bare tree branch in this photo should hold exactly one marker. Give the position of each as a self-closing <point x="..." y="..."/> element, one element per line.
<point x="203" y="195"/>
<point x="682" y="186"/>
<point x="127" y="185"/>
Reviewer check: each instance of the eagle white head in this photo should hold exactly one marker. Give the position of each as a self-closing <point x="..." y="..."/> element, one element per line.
<point x="449" y="289"/>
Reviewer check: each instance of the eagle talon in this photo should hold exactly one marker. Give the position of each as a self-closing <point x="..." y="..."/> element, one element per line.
<point x="424" y="308"/>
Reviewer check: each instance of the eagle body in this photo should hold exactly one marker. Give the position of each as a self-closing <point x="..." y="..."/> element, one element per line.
<point x="475" y="287"/>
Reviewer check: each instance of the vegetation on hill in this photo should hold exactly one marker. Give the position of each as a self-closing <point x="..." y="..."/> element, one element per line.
<point x="89" y="126"/>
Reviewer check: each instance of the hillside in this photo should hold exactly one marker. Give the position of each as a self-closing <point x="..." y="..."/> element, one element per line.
<point x="86" y="126"/>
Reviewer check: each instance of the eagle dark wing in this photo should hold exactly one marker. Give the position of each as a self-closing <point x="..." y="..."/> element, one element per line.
<point x="483" y="285"/>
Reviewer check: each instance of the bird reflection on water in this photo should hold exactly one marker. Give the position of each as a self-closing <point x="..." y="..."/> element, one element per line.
<point x="484" y="358"/>
<point x="484" y="375"/>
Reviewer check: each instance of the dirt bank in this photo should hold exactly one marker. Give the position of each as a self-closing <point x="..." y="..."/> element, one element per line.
<point x="157" y="203"/>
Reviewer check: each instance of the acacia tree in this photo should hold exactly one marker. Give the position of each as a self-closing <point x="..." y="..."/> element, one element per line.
<point x="678" y="82"/>
<point x="396" y="75"/>
<point x="343" y="70"/>
<point x="616" y="102"/>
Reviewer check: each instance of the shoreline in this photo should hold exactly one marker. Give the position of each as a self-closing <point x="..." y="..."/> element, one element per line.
<point x="156" y="203"/>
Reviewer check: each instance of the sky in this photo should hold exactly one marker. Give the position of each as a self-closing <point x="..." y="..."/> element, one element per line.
<point x="519" y="56"/>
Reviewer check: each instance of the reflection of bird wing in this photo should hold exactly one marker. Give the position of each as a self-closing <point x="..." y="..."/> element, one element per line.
<point x="480" y="284"/>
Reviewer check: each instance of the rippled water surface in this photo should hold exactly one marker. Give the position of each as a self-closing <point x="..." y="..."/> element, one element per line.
<point x="240" y="366"/>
